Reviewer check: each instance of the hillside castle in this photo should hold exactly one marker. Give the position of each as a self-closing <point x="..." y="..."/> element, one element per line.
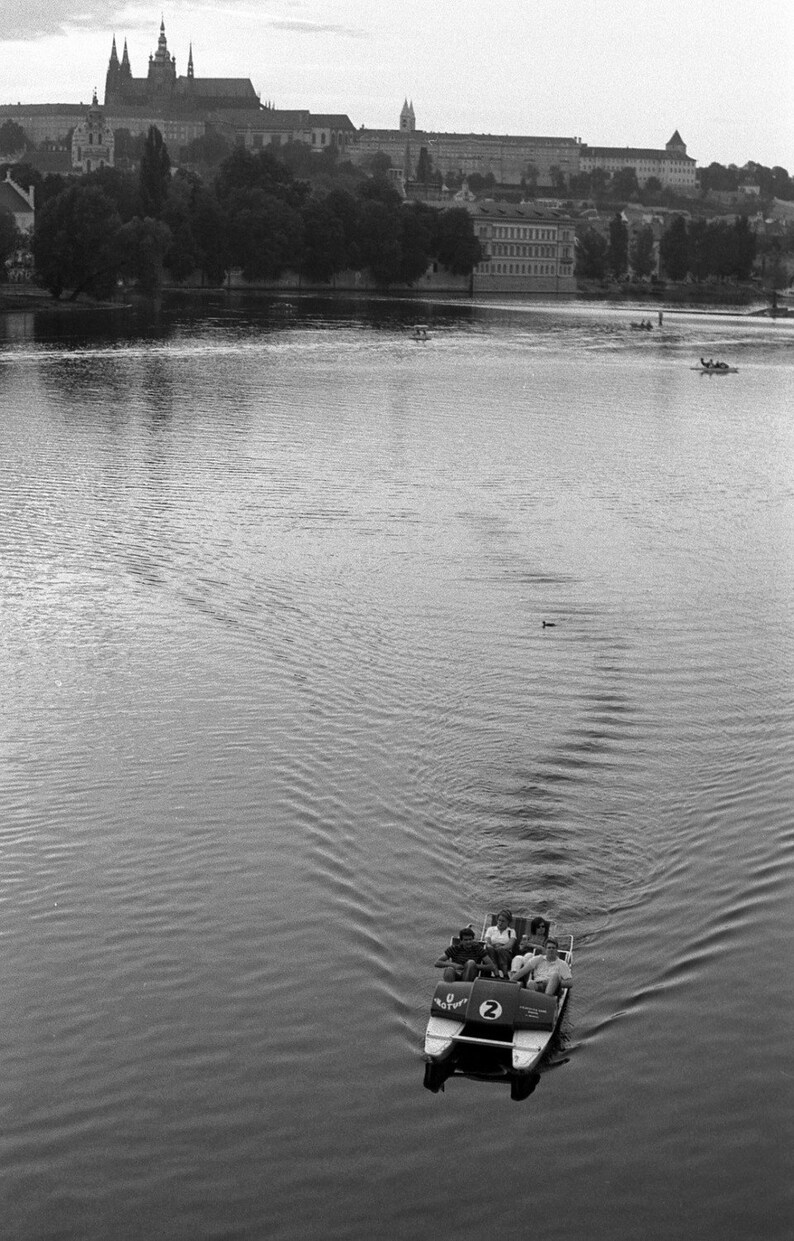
<point x="185" y="107"/>
<point x="163" y="89"/>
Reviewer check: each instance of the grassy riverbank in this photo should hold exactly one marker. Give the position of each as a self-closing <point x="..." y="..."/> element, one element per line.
<point x="671" y="294"/>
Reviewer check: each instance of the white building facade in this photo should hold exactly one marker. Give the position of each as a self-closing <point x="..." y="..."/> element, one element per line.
<point x="526" y="248"/>
<point x="671" y="166"/>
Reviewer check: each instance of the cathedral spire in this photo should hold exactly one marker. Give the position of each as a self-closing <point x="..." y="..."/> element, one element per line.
<point x="408" y="117"/>
<point x="162" y="45"/>
<point x="190" y="62"/>
<point x="114" y="56"/>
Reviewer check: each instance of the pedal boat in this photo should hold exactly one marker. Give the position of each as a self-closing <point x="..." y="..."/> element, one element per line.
<point x="491" y="1028"/>
<point x="716" y="370"/>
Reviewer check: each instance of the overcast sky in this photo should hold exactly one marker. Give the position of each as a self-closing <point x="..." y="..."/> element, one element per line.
<point x="611" y="72"/>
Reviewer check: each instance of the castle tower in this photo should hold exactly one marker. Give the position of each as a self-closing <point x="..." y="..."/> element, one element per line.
<point x="407" y="118"/>
<point x="162" y="66"/>
<point x="676" y="144"/>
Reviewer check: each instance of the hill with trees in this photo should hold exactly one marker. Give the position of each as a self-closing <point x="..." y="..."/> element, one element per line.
<point x="256" y="214"/>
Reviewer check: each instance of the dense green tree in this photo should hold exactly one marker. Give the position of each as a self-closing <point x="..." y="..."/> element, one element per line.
<point x="773" y="182"/>
<point x="75" y="243"/>
<point x="618" y="249"/>
<point x="260" y="170"/>
<point x="8" y="240"/>
<point x="198" y="228"/>
<point x="345" y="207"/>
<point x="142" y="245"/>
<point x="743" y="246"/>
<point x="559" y="181"/>
<point x="208" y="151"/>
<point x="120" y="187"/>
<point x="782" y="185"/>
<point x="652" y="188"/>
<point x="702" y="249"/>
<point x="424" y="167"/>
<point x="591" y="255"/>
<point x="155" y="174"/>
<point x="209" y="228"/>
<point x="379" y="189"/>
<point x="599" y="182"/>
<point x="13" y="139"/>
<point x="641" y="252"/>
<point x="380" y="240"/>
<point x="182" y="257"/>
<point x="128" y="148"/>
<point x="479" y="182"/>
<point x="24" y="175"/>
<point x="457" y="247"/>
<point x="624" y="185"/>
<point x="325" y="252"/>
<point x="297" y="157"/>
<point x="416" y="241"/>
<point x="708" y="249"/>
<point x="265" y="234"/>
<point x="581" y="184"/>
<point x="717" y="177"/>
<point x="378" y="164"/>
<point x="674" y="249"/>
<point x="773" y="268"/>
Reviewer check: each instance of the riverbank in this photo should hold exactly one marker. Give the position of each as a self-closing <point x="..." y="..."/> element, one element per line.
<point x="14" y="298"/>
<point x="683" y="298"/>
<point x="671" y="294"/>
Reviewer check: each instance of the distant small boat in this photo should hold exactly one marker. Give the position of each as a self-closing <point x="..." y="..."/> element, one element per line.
<point x="420" y="332"/>
<point x="717" y="368"/>
<point x="644" y="326"/>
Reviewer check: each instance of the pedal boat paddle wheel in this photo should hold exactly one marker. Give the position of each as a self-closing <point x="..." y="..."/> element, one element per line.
<point x="490" y="1029"/>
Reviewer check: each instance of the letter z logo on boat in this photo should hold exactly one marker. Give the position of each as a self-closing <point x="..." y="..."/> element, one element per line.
<point x="490" y="1010"/>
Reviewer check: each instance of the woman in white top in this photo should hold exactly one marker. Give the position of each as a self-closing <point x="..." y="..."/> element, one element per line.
<point x="500" y="942"/>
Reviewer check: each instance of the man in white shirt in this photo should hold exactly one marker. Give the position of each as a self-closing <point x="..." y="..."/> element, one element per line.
<point x="549" y="973"/>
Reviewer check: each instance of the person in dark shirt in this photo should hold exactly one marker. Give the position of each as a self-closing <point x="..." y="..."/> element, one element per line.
<point x="463" y="960"/>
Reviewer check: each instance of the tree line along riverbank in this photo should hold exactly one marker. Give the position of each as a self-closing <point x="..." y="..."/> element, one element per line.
<point x="113" y="232"/>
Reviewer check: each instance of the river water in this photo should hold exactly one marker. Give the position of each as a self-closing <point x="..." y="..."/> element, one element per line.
<point x="280" y="712"/>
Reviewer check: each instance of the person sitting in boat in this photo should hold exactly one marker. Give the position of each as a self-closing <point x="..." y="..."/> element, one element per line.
<point x="533" y="944"/>
<point x="465" y="958"/>
<point x="500" y="941"/>
<point x="548" y="972"/>
<point x="535" y="939"/>
<point x="706" y="365"/>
